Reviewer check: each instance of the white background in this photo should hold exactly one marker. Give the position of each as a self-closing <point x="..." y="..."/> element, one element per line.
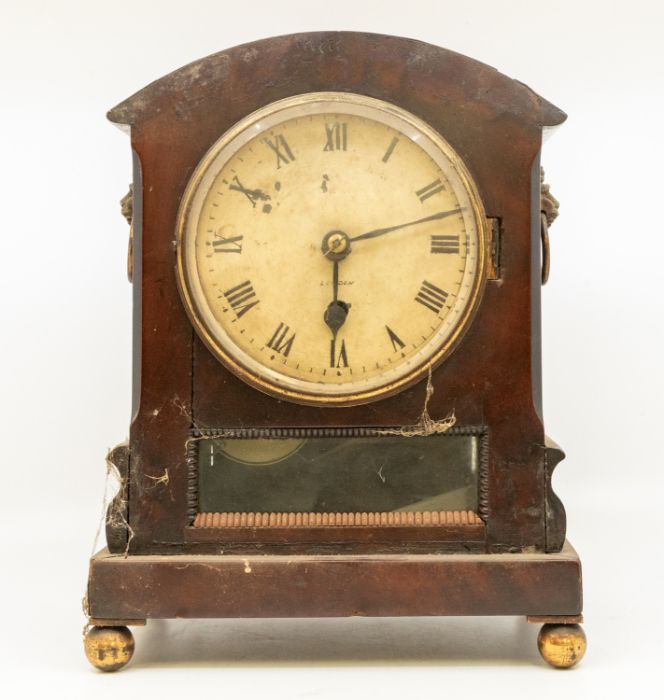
<point x="65" y="347"/>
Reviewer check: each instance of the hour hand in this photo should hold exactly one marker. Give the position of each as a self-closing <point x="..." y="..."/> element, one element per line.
<point x="336" y="311"/>
<point x="335" y="315"/>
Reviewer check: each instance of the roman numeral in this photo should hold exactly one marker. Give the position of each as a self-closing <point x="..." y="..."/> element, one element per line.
<point x="337" y="137"/>
<point x="279" y="342"/>
<point x="396" y="341"/>
<point x="251" y="195"/>
<point x="445" y="243"/>
<point x="390" y="149"/>
<point x="431" y="296"/>
<point x="241" y="298"/>
<point x="434" y="188"/>
<point x="232" y="244"/>
<point x="282" y="150"/>
<point x="340" y="358"/>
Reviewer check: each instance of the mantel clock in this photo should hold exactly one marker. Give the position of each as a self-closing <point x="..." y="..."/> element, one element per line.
<point x="338" y="243"/>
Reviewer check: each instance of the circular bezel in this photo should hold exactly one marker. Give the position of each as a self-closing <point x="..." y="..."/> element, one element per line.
<point x="212" y="332"/>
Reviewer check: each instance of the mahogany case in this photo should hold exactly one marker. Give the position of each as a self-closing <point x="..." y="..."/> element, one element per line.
<point x="492" y="381"/>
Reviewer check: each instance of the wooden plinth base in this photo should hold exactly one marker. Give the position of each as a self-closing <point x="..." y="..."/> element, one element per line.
<point x="129" y="590"/>
<point x="135" y="588"/>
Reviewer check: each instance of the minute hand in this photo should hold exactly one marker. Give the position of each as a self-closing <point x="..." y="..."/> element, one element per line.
<point x="382" y="231"/>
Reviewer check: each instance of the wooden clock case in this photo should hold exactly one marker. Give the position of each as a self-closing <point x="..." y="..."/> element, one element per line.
<point x="513" y="560"/>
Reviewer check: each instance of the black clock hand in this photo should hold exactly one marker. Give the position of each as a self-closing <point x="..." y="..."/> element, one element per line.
<point x="335" y="280"/>
<point x="382" y="231"/>
<point x="336" y="311"/>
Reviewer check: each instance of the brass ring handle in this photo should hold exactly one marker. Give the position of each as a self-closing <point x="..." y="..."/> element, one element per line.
<point x="127" y="209"/>
<point x="548" y="214"/>
<point x="546" y="251"/>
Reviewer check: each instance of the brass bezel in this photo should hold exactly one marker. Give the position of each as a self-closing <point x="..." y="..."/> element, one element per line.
<point x="313" y="398"/>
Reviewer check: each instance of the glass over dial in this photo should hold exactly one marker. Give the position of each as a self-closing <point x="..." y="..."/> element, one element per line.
<point x="331" y="248"/>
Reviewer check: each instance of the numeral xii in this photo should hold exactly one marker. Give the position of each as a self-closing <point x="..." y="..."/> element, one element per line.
<point x="337" y="137"/>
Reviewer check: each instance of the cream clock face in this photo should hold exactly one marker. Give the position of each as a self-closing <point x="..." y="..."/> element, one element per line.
<point x="331" y="248"/>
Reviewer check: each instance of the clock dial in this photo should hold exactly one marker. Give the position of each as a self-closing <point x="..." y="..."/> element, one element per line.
<point x="331" y="248"/>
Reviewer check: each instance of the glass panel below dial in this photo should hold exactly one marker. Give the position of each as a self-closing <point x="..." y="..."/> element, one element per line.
<point x="374" y="474"/>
